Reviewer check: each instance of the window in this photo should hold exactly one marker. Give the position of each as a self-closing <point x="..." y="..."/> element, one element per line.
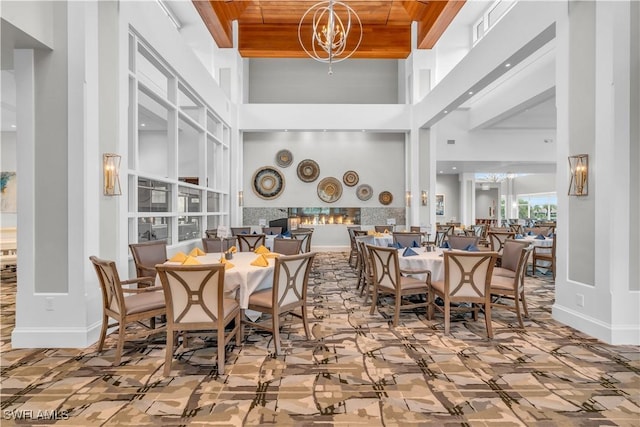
<point x="538" y="206"/>
<point x="178" y="154"/>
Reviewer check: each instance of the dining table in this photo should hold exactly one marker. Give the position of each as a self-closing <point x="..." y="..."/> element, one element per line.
<point x="547" y="242"/>
<point x="423" y="260"/>
<point x="243" y="277"/>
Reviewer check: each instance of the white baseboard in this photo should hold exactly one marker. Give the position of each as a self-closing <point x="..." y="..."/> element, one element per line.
<point x="611" y="334"/>
<point x="55" y="337"/>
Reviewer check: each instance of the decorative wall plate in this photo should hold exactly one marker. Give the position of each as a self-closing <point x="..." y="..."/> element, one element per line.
<point x="329" y="189"/>
<point x="350" y="178"/>
<point x="385" y="198"/>
<point x="308" y="170"/>
<point x="364" y="192"/>
<point x="284" y="158"/>
<point x="267" y="182"/>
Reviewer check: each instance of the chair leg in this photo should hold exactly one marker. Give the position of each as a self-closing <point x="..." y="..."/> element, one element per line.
<point x="120" y="347"/>
<point x="396" y="314"/>
<point x="103" y="332"/>
<point x="431" y="301"/>
<point x="276" y="331"/>
<point x="487" y="319"/>
<point x="516" y="302"/>
<point x="305" y="322"/>
<point x="524" y="304"/>
<point x="374" y="300"/>
<point x="168" y="356"/>
<point x="447" y="316"/>
<point x="221" y="348"/>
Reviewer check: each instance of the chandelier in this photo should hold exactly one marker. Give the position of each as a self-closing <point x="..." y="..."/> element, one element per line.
<point x="331" y="23"/>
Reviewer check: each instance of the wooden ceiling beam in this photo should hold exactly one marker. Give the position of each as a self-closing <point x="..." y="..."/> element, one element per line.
<point x="437" y="18"/>
<point x="380" y="42"/>
<point x="218" y="16"/>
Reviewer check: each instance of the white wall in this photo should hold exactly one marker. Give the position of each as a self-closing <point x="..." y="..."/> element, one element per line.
<point x="449" y="185"/>
<point x="486" y="199"/>
<point x="8" y="164"/>
<point x="535" y="183"/>
<point x="378" y="158"/>
<point x="306" y="81"/>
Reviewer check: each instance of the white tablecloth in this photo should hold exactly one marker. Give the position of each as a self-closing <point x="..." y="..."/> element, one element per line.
<point x="243" y="276"/>
<point x="546" y="243"/>
<point x="433" y="261"/>
<point x="384" y="240"/>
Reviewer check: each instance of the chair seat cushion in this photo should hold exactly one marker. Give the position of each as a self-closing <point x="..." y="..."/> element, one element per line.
<point x="502" y="283"/>
<point x="438" y="286"/>
<point x="262" y="298"/>
<point x="144" y="302"/>
<point x="504" y="272"/>
<point x="408" y="283"/>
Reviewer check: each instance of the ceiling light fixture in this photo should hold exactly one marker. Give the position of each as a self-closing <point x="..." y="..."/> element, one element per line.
<point x="330" y="23"/>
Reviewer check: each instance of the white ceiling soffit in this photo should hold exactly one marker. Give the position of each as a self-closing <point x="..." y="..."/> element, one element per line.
<point x="459" y="167"/>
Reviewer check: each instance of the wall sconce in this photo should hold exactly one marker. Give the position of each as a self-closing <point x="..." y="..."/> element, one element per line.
<point x="408" y="198"/>
<point x="240" y="198"/>
<point x="424" y="197"/>
<point x="579" y="167"/>
<point x="111" y="174"/>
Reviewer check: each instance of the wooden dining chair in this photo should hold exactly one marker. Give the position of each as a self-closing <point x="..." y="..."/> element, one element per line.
<point x="507" y="282"/>
<point x="440" y="238"/>
<point x="287" y="296"/>
<point x="463" y="242"/>
<point x="142" y="304"/>
<point x="467" y="279"/>
<point x="353" y="254"/>
<point x="544" y="257"/>
<point x="215" y="245"/>
<point x="305" y="236"/>
<point x="271" y="230"/>
<point x="388" y="280"/>
<point x="497" y="239"/>
<point x="211" y="234"/>
<point x="407" y="239"/>
<point x="365" y="277"/>
<point x="250" y="242"/>
<point x="196" y="303"/>
<point x="383" y="228"/>
<point x="146" y="255"/>
<point x="287" y="246"/>
<point x="235" y="231"/>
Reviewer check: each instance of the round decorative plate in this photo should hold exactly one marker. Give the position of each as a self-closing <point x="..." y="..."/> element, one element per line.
<point x="350" y="178"/>
<point x="284" y="158"/>
<point x="308" y="170"/>
<point x="267" y="182"/>
<point x="364" y="192"/>
<point x="329" y="189"/>
<point x="385" y="198"/>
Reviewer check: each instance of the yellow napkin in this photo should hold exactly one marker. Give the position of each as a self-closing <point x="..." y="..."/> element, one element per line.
<point x="196" y="252"/>
<point x="271" y="255"/>
<point x="190" y="261"/>
<point x="386" y="231"/>
<point x="261" y="261"/>
<point x="227" y="264"/>
<point x="179" y="257"/>
<point x="262" y="250"/>
<point x="371" y="233"/>
<point x="232" y="249"/>
<point x="378" y="234"/>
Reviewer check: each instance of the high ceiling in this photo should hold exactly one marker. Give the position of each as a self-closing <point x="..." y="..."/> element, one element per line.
<point x="269" y="28"/>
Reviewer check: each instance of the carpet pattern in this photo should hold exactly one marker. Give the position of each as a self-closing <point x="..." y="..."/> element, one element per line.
<point x="356" y="370"/>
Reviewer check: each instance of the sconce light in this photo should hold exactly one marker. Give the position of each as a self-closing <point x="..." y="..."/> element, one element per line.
<point x="579" y="167"/>
<point x="240" y="198"/>
<point x="408" y="198"/>
<point x="424" y="197"/>
<point x="111" y="174"/>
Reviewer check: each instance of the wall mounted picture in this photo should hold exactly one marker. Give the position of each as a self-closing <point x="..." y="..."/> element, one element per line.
<point x="8" y="192"/>
<point x="439" y="204"/>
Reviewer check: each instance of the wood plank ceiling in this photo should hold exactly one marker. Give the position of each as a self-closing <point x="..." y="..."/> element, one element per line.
<point x="269" y="28"/>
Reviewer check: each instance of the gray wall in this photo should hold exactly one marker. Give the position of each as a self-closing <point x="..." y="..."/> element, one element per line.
<point x="449" y="185"/>
<point x="305" y="81"/>
<point x="8" y="164"/>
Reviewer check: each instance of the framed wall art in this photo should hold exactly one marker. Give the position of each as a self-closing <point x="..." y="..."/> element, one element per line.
<point x="439" y="204"/>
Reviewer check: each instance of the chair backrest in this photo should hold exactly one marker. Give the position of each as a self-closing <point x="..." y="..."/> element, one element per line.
<point x="287" y="246"/>
<point x="305" y="236"/>
<point x="271" y="230"/>
<point x="364" y="253"/>
<point x="516" y="228"/>
<point x="147" y="254"/>
<point x="110" y="285"/>
<point x="463" y="242"/>
<point x="538" y="230"/>
<point x="290" y="280"/>
<point x="211" y="234"/>
<point x="441" y="235"/>
<point x="407" y="239"/>
<point x="250" y="242"/>
<point x="497" y="239"/>
<point x="235" y="231"/>
<point x="467" y="275"/>
<point x="511" y="253"/>
<point x="194" y="294"/>
<point x="448" y="229"/>
<point x="385" y="269"/>
<point x="217" y="245"/>
<point x="383" y="228"/>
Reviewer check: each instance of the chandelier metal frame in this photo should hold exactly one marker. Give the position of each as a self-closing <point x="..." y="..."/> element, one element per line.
<point x="329" y="33"/>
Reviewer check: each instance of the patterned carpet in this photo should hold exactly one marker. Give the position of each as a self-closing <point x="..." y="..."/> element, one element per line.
<point x="356" y="370"/>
